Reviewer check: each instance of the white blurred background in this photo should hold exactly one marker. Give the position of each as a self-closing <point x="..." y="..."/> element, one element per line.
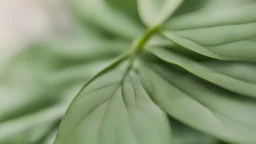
<point x="24" y="21"/>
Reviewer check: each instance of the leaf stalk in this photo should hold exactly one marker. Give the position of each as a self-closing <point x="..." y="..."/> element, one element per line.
<point x="139" y="43"/>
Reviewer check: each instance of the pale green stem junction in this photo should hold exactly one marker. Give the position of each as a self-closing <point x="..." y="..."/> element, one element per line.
<point x="137" y="47"/>
<point x="139" y="43"/>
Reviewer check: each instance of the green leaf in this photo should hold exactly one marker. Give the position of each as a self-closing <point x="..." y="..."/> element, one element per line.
<point x="127" y="7"/>
<point x="204" y="76"/>
<point x="156" y="12"/>
<point x="215" y="28"/>
<point x="102" y="13"/>
<point x="43" y="73"/>
<point x="63" y="52"/>
<point x="28" y="128"/>
<point x="182" y="134"/>
<point x="194" y="47"/>
<point x="159" y="41"/>
<point x="50" y="138"/>
<point x="114" y="109"/>
<point x="226" y="81"/>
<point x="201" y="105"/>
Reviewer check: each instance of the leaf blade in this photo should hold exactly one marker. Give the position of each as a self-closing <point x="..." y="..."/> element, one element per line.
<point x="210" y="75"/>
<point x="155" y="13"/>
<point x="209" y="110"/>
<point x="216" y="29"/>
<point x="113" y="108"/>
<point x="101" y="14"/>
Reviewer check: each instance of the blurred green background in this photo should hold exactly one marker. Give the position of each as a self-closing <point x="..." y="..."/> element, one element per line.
<point x="49" y="49"/>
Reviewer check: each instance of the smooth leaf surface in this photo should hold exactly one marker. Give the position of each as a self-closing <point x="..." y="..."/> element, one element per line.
<point x="44" y="75"/>
<point x="201" y="105"/>
<point x="28" y="128"/>
<point x="159" y="41"/>
<point x="50" y="138"/>
<point x="194" y="47"/>
<point x="182" y="134"/>
<point x="156" y="12"/>
<point x="204" y="77"/>
<point x="114" y="109"/>
<point x="104" y="14"/>
<point x="127" y="7"/>
<point x="220" y="29"/>
<point x="39" y="76"/>
<point x="229" y="82"/>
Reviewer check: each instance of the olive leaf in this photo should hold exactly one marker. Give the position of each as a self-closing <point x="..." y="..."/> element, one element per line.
<point x="113" y="109"/>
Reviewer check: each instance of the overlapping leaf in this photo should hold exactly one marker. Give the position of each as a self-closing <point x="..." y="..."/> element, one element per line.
<point x="27" y="129"/>
<point x="56" y="65"/>
<point x="225" y="80"/>
<point x="182" y="134"/>
<point x="157" y="12"/>
<point x="208" y="95"/>
<point x="114" y="109"/>
<point x="215" y="96"/>
<point x="47" y="74"/>
<point x="218" y="29"/>
<point x="203" y="106"/>
<point x="105" y="14"/>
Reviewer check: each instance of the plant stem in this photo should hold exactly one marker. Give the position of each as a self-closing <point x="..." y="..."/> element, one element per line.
<point x="139" y="43"/>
